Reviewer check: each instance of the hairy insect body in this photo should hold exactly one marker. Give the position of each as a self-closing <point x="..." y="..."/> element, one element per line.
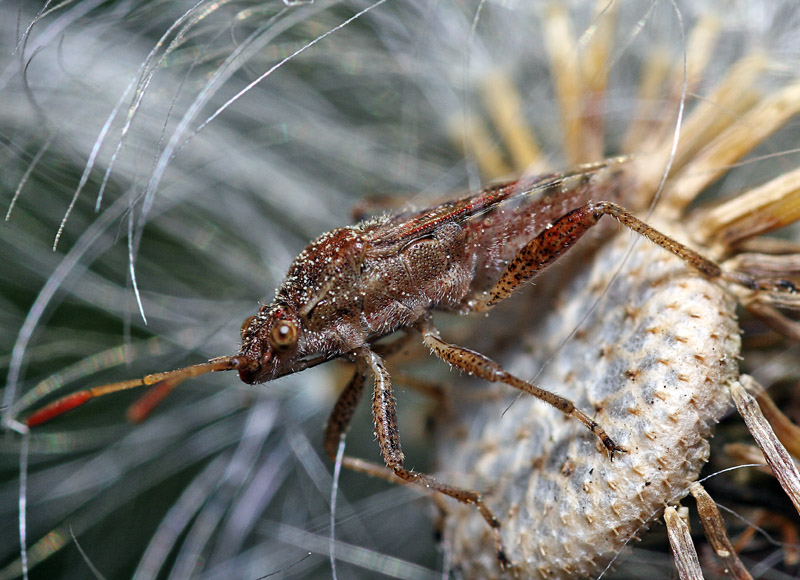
<point x="343" y="292"/>
<point x="432" y="272"/>
<point x="354" y="285"/>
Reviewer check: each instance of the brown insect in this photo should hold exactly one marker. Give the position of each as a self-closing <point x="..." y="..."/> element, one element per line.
<point x="355" y="285"/>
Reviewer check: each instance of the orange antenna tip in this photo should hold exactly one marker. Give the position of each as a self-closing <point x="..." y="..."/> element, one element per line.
<point x="58" y="407"/>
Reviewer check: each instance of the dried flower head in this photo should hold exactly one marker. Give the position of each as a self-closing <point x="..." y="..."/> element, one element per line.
<point x="626" y="329"/>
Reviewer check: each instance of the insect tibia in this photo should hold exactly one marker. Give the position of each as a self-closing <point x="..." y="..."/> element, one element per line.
<point x="689" y="256"/>
<point x="483" y="367"/>
<point x="692" y="258"/>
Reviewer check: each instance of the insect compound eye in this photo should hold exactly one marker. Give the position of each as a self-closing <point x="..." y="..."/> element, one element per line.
<point x="246" y="324"/>
<point x="283" y="334"/>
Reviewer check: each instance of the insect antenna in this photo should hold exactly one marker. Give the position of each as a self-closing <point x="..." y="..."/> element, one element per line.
<point x="165" y="381"/>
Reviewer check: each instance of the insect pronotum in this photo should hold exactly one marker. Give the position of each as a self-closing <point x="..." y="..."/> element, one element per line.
<point x="355" y="285"/>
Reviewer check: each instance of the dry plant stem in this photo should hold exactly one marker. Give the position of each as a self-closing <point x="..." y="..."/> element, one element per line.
<point x="788" y="433"/>
<point x="700" y="47"/>
<point x="747" y="535"/>
<point x="474" y="138"/>
<point x="763" y="209"/>
<point x="559" y="38"/>
<point x="768" y="256"/>
<point x="775" y="320"/>
<point x="732" y="97"/>
<point x="505" y="109"/>
<point x="596" y="49"/>
<point x="715" y="531"/>
<point x="774" y="297"/>
<point x="650" y="87"/>
<point x="682" y="547"/>
<point x="732" y="144"/>
<point x="775" y="453"/>
<point x="789" y="537"/>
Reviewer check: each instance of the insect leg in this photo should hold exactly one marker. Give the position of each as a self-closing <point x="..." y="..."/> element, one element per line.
<point x="483" y="367"/>
<point x="344" y="409"/>
<point x="689" y="256"/>
<point x="385" y="418"/>
<point x="354" y="463"/>
<point x="342" y="414"/>
<point x="539" y="253"/>
<point x="562" y="234"/>
<point x="339" y="422"/>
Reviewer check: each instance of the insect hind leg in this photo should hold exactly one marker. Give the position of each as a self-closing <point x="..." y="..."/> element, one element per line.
<point x="697" y="261"/>
<point x="555" y="240"/>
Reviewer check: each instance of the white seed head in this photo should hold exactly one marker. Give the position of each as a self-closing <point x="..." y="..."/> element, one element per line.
<point x="653" y="359"/>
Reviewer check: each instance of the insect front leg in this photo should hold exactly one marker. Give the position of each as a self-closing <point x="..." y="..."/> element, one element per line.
<point x="342" y="414"/>
<point x="339" y="423"/>
<point x="483" y="367"/>
<point x="384" y="411"/>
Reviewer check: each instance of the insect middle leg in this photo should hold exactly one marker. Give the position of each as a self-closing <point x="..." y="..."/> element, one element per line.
<point x="384" y="413"/>
<point x="485" y="368"/>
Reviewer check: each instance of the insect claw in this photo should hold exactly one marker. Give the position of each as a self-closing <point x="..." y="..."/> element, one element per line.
<point x="506" y="565"/>
<point x="768" y="284"/>
<point x="617" y="450"/>
<point x="612" y="448"/>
